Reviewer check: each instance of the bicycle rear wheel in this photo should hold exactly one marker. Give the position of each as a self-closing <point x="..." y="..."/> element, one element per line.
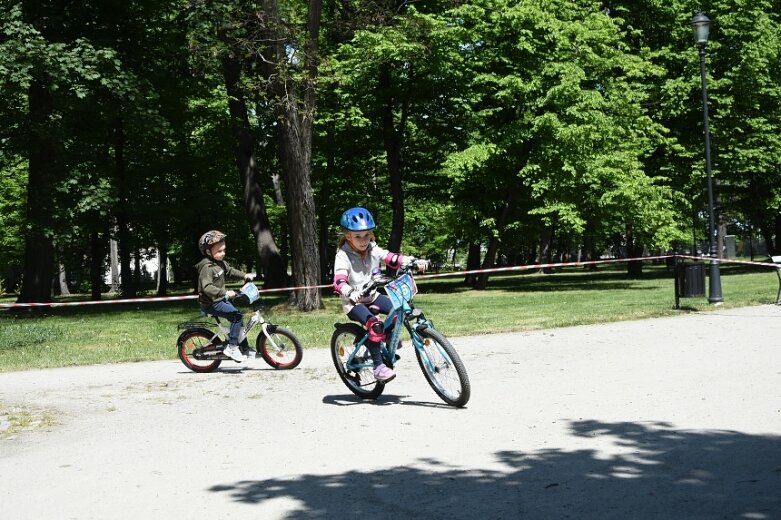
<point x="360" y="380"/>
<point x="197" y="351"/>
<point x="443" y="368"/>
<point x="281" y="350"/>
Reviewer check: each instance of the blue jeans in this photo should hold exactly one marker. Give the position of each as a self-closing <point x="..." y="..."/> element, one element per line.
<point x="226" y="310"/>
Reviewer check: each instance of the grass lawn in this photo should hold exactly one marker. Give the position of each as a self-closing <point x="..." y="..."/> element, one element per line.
<point x="93" y="334"/>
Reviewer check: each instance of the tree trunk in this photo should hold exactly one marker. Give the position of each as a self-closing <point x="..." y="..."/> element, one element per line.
<point x="175" y="269"/>
<point x="38" y="247"/>
<point x="767" y="235"/>
<point x="295" y="104"/>
<point x="589" y="244"/>
<point x="325" y="194"/>
<point x="774" y="245"/>
<point x="493" y="243"/>
<point x="273" y="265"/>
<point x="472" y="263"/>
<point x="295" y="154"/>
<point x="62" y="281"/>
<point x="633" y="250"/>
<point x="546" y="246"/>
<point x="97" y="255"/>
<point x="123" y="212"/>
<point x="718" y="240"/>
<point x="392" y="140"/>
<point x="284" y="235"/>
<point x="114" y="255"/>
<point x="488" y="262"/>
<point x="162" y="268"/>
<point x="137" y="268"/>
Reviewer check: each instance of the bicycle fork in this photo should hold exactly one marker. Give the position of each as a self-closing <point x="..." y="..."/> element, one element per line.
<point x="268" y="329"/>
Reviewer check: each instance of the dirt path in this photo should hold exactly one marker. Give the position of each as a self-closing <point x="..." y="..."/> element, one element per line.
<point x="667" y="418"/>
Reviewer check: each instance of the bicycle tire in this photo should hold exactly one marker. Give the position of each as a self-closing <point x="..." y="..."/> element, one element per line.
<point x="283" y="352"/>
<point x="443" y="368"/>
<point x="192" y="339"/>
<point x="362" y="382"/>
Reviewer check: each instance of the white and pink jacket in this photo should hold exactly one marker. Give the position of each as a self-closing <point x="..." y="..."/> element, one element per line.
<point x="352" y="271"/>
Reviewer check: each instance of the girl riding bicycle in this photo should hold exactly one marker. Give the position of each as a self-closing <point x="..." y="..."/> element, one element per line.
<point x="358" y="257"/>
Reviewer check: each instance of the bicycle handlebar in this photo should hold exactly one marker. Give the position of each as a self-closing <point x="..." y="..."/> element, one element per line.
<point x="243" y="299"/>
<point x="382" y="280"/>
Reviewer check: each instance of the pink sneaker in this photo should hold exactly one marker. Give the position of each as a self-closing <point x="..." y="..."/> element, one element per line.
<point x="384" y="374"/>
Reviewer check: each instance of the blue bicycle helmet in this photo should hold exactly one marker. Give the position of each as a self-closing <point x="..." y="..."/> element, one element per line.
<point x="357" y="219"/>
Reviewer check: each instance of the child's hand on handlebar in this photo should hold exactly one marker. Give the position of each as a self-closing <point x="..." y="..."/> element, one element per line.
<point x="355" y="296"/>
<point x="230" y="294"/>
<point x="249" y="277"/>
<point x="416" y="264"/>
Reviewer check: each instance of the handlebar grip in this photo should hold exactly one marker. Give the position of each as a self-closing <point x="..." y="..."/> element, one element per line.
<point x="368" y="288"/>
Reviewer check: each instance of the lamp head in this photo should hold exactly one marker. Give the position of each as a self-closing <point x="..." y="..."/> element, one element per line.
<point x="701" y="27"/>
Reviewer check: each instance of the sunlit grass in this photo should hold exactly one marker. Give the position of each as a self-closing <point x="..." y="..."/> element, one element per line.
<point x="125" y="333"/>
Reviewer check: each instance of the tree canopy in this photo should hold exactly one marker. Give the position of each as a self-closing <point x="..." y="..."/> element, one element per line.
<point x="490" y="131"/>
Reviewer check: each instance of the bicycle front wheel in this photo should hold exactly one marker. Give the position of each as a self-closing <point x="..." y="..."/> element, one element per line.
<point x="281" y="349"/>
<point x="197" y="351"/>
<point x="443" y="368"/>
<point x="356" y="374"/>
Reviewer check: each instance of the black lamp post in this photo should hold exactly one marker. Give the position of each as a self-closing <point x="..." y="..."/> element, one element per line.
<point x="701" y="26"/>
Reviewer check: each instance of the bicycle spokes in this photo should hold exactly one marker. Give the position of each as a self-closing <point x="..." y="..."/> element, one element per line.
<point x="280" y="348"/>
<point x="353" y="362"/>
<point x="443" y="368"/>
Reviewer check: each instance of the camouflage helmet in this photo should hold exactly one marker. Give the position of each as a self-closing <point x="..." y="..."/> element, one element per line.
<point x="210" y="238"/>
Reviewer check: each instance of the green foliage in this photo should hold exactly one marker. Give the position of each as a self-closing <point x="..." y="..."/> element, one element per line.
<point x="560" y="121"/>
<point x="566" y="122"/>
<point x="745" y="63"/>
<point x="25" y="53"/>
<point x="12" y="207"/>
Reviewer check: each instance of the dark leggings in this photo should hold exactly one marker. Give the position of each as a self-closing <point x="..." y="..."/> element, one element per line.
<point x="362" y="312"/>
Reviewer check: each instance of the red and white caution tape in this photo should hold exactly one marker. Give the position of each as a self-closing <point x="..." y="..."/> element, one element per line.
<point x="141" y="300"/>
<point x="730" y="261"/>
<point x="527" y="267"/>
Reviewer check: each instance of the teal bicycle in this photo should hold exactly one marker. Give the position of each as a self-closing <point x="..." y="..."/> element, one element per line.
<point x="439" y="361"/>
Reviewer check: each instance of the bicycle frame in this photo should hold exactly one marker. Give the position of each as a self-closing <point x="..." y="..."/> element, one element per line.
<point x="256" y="318"/>
<point x="250" y="292"/>
<point x="400" y="315"/>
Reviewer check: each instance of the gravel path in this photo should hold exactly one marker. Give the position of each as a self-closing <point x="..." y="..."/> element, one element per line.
<point x="665" y="418"/>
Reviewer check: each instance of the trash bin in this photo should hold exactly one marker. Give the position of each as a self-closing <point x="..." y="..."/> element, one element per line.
<point x="691" y="279"/>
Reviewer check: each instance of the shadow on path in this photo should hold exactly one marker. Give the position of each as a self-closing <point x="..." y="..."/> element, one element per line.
<point x="383" y="400"/>
<point x="662" y="473"/>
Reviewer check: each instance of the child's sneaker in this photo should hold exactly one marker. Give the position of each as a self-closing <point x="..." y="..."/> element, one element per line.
<point x="233" y="352"/>
<point x="384" y="374"/>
